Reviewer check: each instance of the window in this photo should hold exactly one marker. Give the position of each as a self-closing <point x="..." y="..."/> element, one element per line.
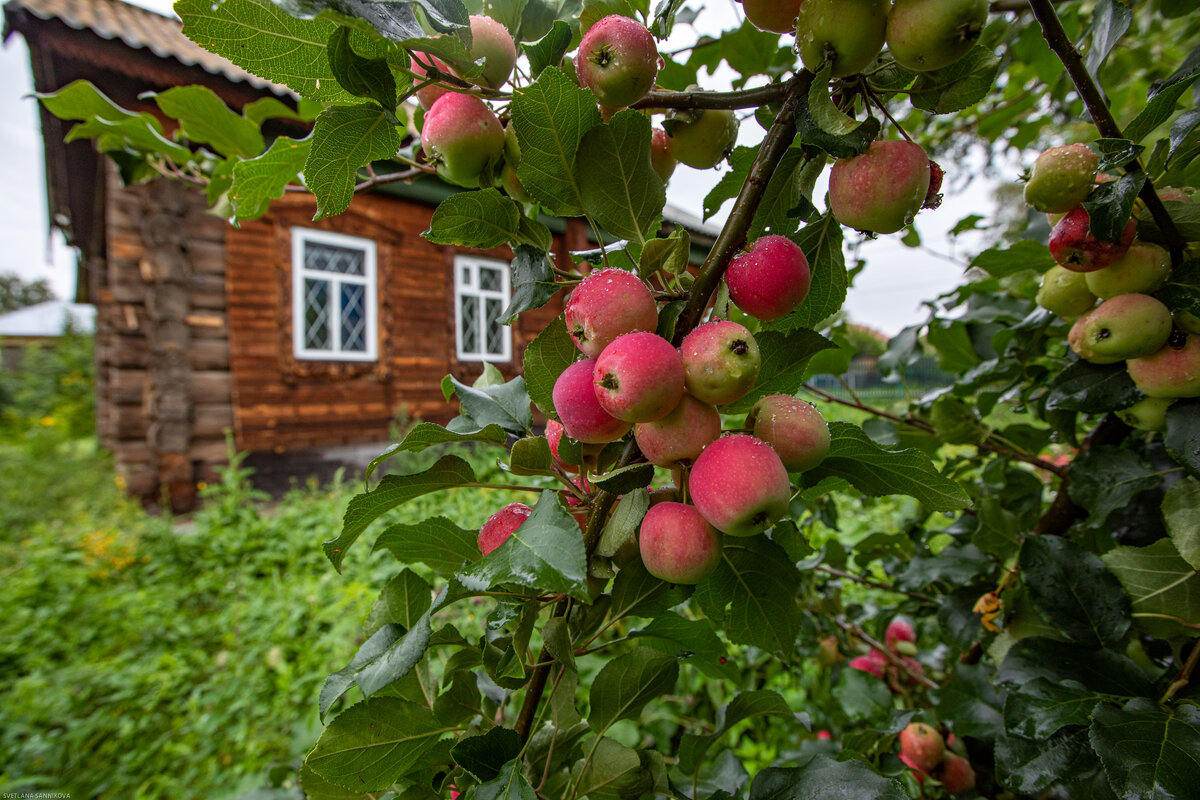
<point x="333" y="296"/>
<point x="481" y="293"/>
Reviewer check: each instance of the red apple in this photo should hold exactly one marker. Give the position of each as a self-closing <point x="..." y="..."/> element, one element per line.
<point x="923" y="745"/>
<point x="428" y="95"/>
<point x="1171" y="371"/>
<point x="639" y="377"/>
<point x="1073" y="246"/>
<point x="881" y="190"/>
<point x="662" y="157"/>
<point x="957" y="776"/>
<point x="720" y="362"/>
<point x="681" y="435"/>
<point x="740" y="486"/>
<point x="605" y="305"/>
<point x="793" y="427"/>
<point x="618" y="61"/>
<point x="899" y="630"/>
<point x="770" y="279"/>
<point x="580" y="412"/>
<point x="677" y="544"/>
<point x="500" y="526"/>
<point x="867" y="664"/>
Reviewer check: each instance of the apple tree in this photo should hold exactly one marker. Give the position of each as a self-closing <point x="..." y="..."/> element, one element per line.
<point x="1027" y="622"/>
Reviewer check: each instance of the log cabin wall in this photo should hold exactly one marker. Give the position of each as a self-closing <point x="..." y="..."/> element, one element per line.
<point x="162" y="346"/>
<point x="282" y="402"/>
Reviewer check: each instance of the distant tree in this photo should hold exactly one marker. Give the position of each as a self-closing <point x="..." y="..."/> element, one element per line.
<point x="16" y="293"/>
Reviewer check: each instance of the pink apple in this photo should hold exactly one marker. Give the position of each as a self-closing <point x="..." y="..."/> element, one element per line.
<point x="578" y="409"/>
<point x="881" y="190"/>
<point x="720" y="362"/>
<point x="1073" y="245"/>
<point x="605" y="305"/>
<point x="867" y="664"/>
<point x="461" y="136"/>
<point x="680" y="436"/>
<point x="500" y="526"/>
<point x="554" y="434"/>
<point x="427" y="95"/>
<point x="793" y="427"/>
<point x="492" y="42"/>
<point x="956" y="775"/>
<point x="1171" y="371"/>
<point x="661" y="156"/>
<point x="770" y="279"/>
<point x="618" y="61"/>
<point x="677" y="544"/>
<point x="898" y="630"/>
<point x="739" y="485"/>
<point x="639" y="377"/>
<point x="923" y="744"/>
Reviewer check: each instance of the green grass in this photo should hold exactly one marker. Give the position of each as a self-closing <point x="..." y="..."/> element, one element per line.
<point x="143" y="657"/>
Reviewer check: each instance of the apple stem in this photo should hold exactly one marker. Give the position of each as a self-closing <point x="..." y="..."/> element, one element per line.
<point x="883" y="108"/>
<point x="1185" y="674"/>
<point x="1060" y="43"/>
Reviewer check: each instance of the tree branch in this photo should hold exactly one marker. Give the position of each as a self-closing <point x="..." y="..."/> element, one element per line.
<point x="1063" y="512"/>
<point x="873" y="584"/>
<point x="1056" y="37"/>
<point x="733" y="234"/>
<point x="745" y="98"/>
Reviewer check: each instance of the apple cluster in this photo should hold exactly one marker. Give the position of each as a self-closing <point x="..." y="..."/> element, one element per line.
<point x="630" y="381"/>
<point x="900" y="639"/>
<point x="1108" y="287"/>
<point x="924" y="750"/>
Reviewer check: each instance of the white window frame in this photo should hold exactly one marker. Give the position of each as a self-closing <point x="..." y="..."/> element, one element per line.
<point x="302" y="237"/>
<point x="471" y="264"/>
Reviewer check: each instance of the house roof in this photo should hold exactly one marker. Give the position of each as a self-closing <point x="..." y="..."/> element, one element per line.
<point x="48" y="319"/>
<point x="140" y="29"/>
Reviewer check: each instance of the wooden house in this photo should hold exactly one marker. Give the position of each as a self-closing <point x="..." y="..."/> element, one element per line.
<point x="295" y="335"/>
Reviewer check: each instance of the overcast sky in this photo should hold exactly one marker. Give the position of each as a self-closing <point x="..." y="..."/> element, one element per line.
<point x="887" y="295"/>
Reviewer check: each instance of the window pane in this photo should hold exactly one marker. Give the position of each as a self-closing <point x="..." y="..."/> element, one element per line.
<point x="316" y="315"/>
<point x="465" y="276"/>
<point x="468" y="328"/>
<point x="354" y="317"/>
<point x="331" y="258"/>
<point x="489" y="279"/>
<point x="495" y="328"/>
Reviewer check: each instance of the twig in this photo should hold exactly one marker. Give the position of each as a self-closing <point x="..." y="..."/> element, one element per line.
<point x="1185" y="674"/>
<point x="1059" y="42"/>
<point x="892" y="658"/>
<point x="733" y="234"/>
<point x="873" y="584"/>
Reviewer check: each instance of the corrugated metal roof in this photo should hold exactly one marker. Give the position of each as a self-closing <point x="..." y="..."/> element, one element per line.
<point x="140" y="29"/>
<point x="48" y="319"/>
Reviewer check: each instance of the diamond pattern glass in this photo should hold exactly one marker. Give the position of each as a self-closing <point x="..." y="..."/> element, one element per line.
<point x="316" y="315"/>
<point x="354" y="317"/>
<point x="489" y="279"/>
<point x="495" y="330"/>
<point x="324" y="257"/>
<point x="468" y="326"/>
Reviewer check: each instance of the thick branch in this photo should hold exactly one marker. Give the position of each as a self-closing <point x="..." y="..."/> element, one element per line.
<point x="733" y="235"/>
<point x="746" y="98"/>
<point x="1063" y="512"/>
<point x="1057" y="38"/>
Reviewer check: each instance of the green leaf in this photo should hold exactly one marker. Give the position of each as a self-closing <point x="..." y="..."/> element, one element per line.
<point x="1074" y="591"/>
<point x="506" y="405"/>
<point x="461" y="702"/>
<point x="625" y="479"/>
<point x="1103" y="671"/>
<point x="261" y="39"/>
<point x="551" y="117"/>
<point x="1181" y="292"/>
<point x="785" y="356"/>
<point x="1001" y="262"/>
<point x="1109" y="23"/>
<point x="1105" y="478"/>
<point x="627" y="683"/>
<point x="746" y="705"/>
<point x="623" y="522"/>
<point x="204" y="117"/>
<point x="824" y="778"/>
<point x="510" y="784"/>
<point x="1032" y="767"/>
<point x="1110" y="205"/>
<point x="1160" y="109"/>
<point x="822" y="245"/>
<point x="267" y="108"/>
<point x="371" y="745"/>
<point x="533" y="282"/>
<point x="427" y="434"/>
<point x="1148" y="753"/>
<point x="637" y="593"/>
<point x="752" y="594"/>
<point x="344" y="139"/>
<point x="862" y="697"/>
<point x="392" y="491"/>
<point x="362" y="77"/>
<point x="485" y="756"/>
<point x="531" y="456"/>
<point x="692" y="641"/>
<point x="670" y="255"/>
<point x="258" y="181"/>
<point x="483" y="219"/>
<point x="1182" y="438"/>
<point x="617" y="183"/>
<point x="1039" y="709"/>
<point x="436" y="542"/>
<point x="1159" y="582"/>
<point x="1092" y="388"/>
<point x="551" y="352"/>
<point x="403" y="601"/>
<point x="1181" y="510"/>
<point x="550" y="49"/>
<point x="546" y="553"/>
<point x="822" y="124"/>
<point x="960" y="85"/>
<point x="877" y="472"/>
<point x="1116" y="153"/>
<point x="109" y="123"/>
<point x="785" y="202"/>
<point x="970" y="703"/>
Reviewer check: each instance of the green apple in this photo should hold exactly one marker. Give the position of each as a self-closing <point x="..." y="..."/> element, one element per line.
<point x="1142" y="269"/>
<point x="926" y="35"/>
<point x="1065" y="292"/>
<point x="700" y="138"/>
<point x="1062" y="178"/>
<point x="849" y="33"/>
<point x="1148" y="414"/>
<point x="1120" y="328"/>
